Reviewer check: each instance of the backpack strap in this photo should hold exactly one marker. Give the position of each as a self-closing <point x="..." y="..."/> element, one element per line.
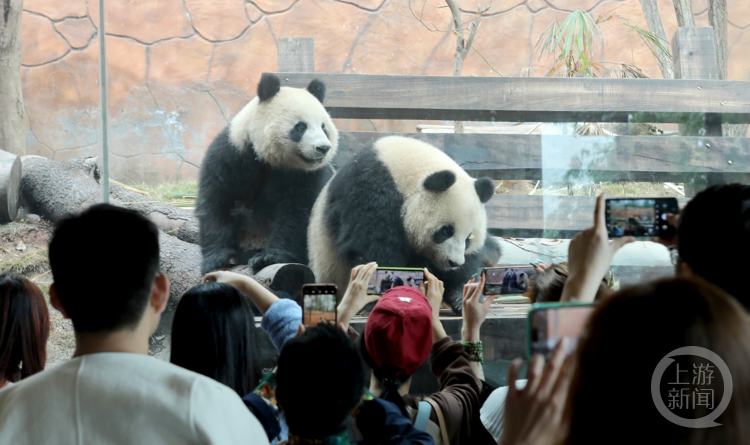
<point x="441" y="419"/>
<point x="423" y="416"/>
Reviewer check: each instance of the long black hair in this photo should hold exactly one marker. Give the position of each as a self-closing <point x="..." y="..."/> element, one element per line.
<point x="391" y="377"/>
<point x="213" y="334"/>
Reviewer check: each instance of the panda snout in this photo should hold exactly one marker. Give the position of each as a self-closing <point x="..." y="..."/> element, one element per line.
<point x="452" y="263"/>
<point x="323" y="149"/>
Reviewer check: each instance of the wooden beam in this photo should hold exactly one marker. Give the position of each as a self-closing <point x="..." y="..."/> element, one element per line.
<point x="579" y="159"/>
<point x="528" y="99"/>
<point x="541" y="216"/>
<point x="694" y="56"/>
<point x="296" y="55"/>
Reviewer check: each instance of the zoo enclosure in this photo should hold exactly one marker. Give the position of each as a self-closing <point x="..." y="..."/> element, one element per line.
<point x="698" y="157"/>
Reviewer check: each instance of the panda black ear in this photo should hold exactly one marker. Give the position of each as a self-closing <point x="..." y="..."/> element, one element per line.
<point x="318" y="89"/>
<point x="440" y="181"/>
<point x="485" y="188"/>
<point x="268" y="86"/>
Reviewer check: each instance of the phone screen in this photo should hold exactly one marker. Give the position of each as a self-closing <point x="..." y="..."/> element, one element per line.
<point x="319" y="301"/>
<point x="549" y="325"/>
<point x="384" y="279"/>
<point x="508" y="280"/>
<point x="640" y="217"/>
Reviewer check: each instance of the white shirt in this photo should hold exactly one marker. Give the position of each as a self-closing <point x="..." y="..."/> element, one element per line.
<point x="492" y="413"/>
<point x="119" y="398"/>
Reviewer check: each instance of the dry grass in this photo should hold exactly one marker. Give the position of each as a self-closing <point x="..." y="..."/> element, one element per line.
<point x="178" y="194"/>
<point x="35" y="261"/>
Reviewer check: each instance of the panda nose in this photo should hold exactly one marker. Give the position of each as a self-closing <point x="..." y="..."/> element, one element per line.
<point x="323" y="149"/>
<point x="452" y="263"/>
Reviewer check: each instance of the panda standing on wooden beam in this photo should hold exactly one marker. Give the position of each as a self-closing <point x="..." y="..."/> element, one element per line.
<point x="261" y="176"/>
<point x="403" y="203"/>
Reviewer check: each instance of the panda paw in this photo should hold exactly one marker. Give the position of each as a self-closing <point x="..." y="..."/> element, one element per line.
<point x="455" y="300"/>
<point x="265" y="259"/>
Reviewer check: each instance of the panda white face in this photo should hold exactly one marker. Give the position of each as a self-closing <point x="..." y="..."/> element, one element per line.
<point x="443" y="210"/>
<point x="288" y="127"/>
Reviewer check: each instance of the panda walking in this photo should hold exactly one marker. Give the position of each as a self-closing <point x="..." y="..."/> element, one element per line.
<point x="262" y="175"/>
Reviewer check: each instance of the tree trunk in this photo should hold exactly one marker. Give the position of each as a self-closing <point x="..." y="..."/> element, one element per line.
<point x="717" y="18"/>
<point x="57" y="189"/>
<point x="11" y="100"/>
<point x="651" y="12"/>
<point x="684" y="11"/>
<point x="10" y="185"/>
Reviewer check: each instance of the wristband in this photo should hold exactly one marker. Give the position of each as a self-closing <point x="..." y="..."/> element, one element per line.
<point x="474" y="351"/>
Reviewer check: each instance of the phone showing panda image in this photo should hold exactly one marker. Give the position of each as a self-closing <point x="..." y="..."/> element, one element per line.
<point x="386" y="278"/>
<point x="508" y="280"/>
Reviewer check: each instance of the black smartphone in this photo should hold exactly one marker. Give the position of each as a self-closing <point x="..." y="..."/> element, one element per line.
<point x="386" y="278"/>
<point x="548" y="323"/>
<point x="319" y="303"/>
<point x="508" y="280"/>
<point x="640" y="217"/>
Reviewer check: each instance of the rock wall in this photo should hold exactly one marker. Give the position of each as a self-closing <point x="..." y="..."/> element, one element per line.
<point x="179" y="69"/>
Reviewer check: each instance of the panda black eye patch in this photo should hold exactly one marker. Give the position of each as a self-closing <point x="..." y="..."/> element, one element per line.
<point x="443" y="234"/>
<point x="298" y="131"/>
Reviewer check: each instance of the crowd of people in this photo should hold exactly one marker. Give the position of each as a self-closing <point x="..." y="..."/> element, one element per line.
<point x="214" y="392"/>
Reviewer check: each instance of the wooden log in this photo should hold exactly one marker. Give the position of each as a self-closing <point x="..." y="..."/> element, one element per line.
<point x="10" y="185"/>
<point x="541" y="216"/>
<point x="173" y="220"/>
<point x="557" y="158"/>
<point x="528" y="99"/>
<point x="57" y="189"/>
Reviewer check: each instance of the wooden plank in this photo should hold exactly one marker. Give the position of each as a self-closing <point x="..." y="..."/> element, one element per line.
<point x="528" y="99"/>
<point x="694" y="55"/>
<point x="541" y="216"/>
<point x="296" y="55"/>
<point x="579" y="159"/>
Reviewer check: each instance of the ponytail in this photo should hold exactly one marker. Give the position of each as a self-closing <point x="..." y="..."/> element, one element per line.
<point x="390" y="377"/>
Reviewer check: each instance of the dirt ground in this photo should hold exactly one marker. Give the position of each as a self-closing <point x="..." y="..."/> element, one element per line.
<point x="23" y="250"/>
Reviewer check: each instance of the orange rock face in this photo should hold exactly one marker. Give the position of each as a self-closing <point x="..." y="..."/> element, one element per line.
<point x="178" y="71"/>
<point x="78" y="32"/>
<point x="40" y="43"/>
<point x="56" y="9"/>
<point x="147" y="21"/>
<point x="218" y="20"/>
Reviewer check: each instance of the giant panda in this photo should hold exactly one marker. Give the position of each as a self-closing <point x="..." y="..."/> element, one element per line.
<point x="402" y="203"/>
<point x="261" y="175"/>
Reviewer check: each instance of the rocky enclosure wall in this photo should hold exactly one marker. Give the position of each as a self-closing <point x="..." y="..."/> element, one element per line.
<point x="180" y="69"/>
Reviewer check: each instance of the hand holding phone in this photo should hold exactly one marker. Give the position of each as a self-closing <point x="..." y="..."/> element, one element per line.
<point x="549" y="323"/>
<point x="319" y="303"/>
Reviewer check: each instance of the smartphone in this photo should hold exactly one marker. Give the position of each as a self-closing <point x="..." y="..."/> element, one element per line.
<point x="508" y="280"/>
<point x="319" y="303"/>
<point x="386" y="278"/>
<point x="548" y="323"/>
<point x="640" y="217"/>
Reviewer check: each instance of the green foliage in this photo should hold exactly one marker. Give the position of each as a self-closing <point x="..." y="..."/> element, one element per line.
<point x="571" y="44"/>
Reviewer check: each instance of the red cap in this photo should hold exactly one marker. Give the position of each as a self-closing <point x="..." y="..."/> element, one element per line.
<point x="398" y="330"/>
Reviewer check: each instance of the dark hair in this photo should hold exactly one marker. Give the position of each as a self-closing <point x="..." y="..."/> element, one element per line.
<point x="319" y="381"/>
<point x="213" y="333"/>
<point x="104" y="262"/>
<point x="628" y="336"/>
<point x="24" y="327"/>
<point x="391" y="377"/>
<point x="548" y="285"/>
<point x="724" y="210"/>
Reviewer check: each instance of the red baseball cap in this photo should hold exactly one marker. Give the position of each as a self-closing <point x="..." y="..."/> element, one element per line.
<point x="398" y="330"/>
